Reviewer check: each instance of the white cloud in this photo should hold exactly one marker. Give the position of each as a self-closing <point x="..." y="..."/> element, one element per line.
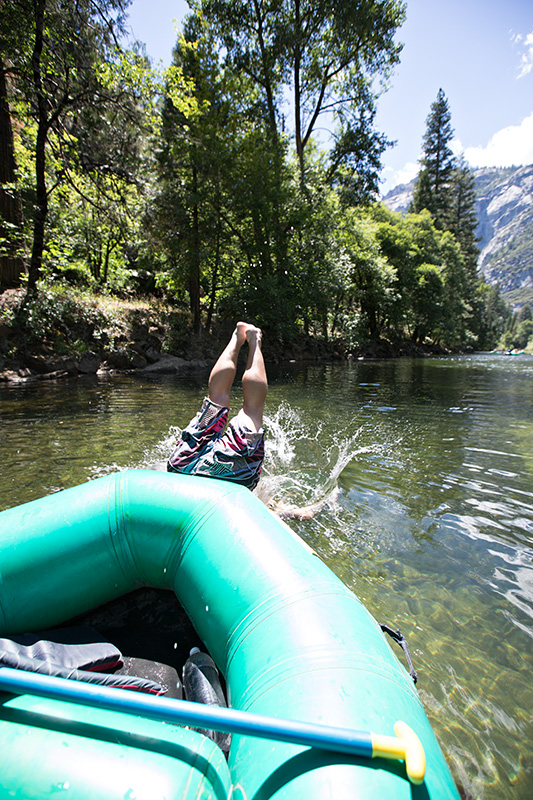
<point x="395" y="177"/>
<point x="526" y="61"/>
<point x="456" y="146"/>
<point x="511" y="146"/>
<point x="408" y="172"/>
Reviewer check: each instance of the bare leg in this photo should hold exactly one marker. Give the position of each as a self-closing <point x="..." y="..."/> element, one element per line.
<point x="223" y="373"/>
<point x="254" y="382"/>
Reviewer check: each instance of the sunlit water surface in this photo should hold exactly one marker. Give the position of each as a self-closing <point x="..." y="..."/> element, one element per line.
<point x="423" y="473"/>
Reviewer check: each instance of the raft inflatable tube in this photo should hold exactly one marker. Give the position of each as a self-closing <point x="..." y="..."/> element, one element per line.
<point x="292" y="642"/>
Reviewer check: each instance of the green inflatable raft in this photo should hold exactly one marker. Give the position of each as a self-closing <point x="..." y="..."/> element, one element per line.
<point x="320" y="707"/>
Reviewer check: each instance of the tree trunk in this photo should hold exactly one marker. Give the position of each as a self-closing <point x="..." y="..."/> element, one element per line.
<point x="109" y="247"/>
<point x="11" y="262"/>
<point x="297" y="97"/>
<point x="214" y="281"/>
<point x="194" y="274"/>
<point x="41" y="196"/>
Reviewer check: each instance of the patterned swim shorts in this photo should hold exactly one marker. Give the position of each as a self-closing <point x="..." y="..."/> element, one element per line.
<point x="205" y="448"/>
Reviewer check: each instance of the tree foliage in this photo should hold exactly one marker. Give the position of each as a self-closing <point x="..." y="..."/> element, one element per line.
<point x="213" y="185"/>
<point x="71" y="80"/>
<point x="433" y="189"/>
<point x="324" y="55"/>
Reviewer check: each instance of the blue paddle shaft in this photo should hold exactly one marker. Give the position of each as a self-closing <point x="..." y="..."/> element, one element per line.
<point x="181" y="712"/>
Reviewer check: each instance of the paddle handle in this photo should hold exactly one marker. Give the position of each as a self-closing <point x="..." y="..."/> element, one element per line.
<point x="405" y="746"/>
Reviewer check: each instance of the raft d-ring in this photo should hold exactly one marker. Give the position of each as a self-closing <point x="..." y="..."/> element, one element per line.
<point x="406" y="746"/>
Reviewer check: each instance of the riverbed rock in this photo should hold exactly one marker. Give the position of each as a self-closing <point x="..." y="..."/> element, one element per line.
<point x="89" y="364"/>
<point x="138" y="361"/>
<point x="152" y="354"/>
<point x="44" y="364"/>
<point x="167" y="365"/>
<point x="200" y="363"/>
<point x="4" y="333"/>
<point x="37" y="363"/>
<point x="117" y="358"/>
<point x="66" y="364"/>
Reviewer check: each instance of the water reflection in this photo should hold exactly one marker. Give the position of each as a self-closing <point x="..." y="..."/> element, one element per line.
<point x="424" y="469"/>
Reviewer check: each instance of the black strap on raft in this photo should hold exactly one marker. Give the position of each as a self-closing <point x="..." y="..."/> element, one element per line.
<point x="398" y="637"/>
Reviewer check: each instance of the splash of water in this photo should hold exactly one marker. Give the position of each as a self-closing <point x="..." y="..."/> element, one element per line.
<point x="303" y="462"/>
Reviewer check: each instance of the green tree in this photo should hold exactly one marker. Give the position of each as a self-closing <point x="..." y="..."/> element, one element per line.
<point x="333" y="53"/>
<point x="355" y="159"/>
<point x="64" y="73"/>
<point x="427" y="302"/>
<point x="433" y="187"/>
<point x="188" y="163"/>
<point x="11" y="214"/>
<point x="269" y="215"/>
<point x="446" y="188"/>
<point x="493" y="314"/>
<point x="525" y="313"/>
<point x="463" y="219"/>
<point x="11" y="261"/>
<point x="428" y="296"/>
<point x="524" y="333"/>
<point x="398" y="241"/>
<point x="412" y="246"/>
<point x="249" y="34"/>
<point x="456" y="328"/>
<point x="226" y="209"/>
<point x="518" y="329"/>
<point x="214" y="210"/>
<point x="369" y="278"/>
<point x="328" y="53"/>
<point x="315" y="254"/>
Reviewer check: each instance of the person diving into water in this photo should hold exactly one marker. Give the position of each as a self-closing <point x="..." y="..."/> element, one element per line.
<point x="210" y="446"/>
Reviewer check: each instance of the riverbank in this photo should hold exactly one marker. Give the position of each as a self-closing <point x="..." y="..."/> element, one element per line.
<point x="64" y="333"/>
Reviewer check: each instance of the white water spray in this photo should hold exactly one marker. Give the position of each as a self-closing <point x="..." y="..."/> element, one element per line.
<point x="303" y="463"/>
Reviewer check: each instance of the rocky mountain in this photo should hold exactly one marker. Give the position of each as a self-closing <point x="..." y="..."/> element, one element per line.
<point x="505" y="212"/>
<point x="399" y="198"/>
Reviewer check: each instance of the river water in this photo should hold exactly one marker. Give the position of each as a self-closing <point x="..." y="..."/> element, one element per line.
<point x="423" y="474"/>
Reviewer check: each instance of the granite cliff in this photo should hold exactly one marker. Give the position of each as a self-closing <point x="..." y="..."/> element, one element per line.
<point x="504" y="207"/>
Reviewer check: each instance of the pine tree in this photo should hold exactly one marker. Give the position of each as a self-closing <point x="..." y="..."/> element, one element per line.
<point x="433" y="187"/>
<point x="446" y="188"/>
<point x="463" y="220"/>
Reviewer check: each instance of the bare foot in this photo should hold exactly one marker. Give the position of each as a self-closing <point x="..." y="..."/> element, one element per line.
<point x="245" y="332"/>
<point x="240" y="332"/>
<point x="293" y="512"/>
<point x="254" y="335"/>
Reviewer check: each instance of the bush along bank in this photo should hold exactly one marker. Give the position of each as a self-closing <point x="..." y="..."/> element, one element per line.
<point x="61" y="333"/>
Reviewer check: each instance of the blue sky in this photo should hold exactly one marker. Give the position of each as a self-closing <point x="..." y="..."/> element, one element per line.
<point x="480" y="52"/>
